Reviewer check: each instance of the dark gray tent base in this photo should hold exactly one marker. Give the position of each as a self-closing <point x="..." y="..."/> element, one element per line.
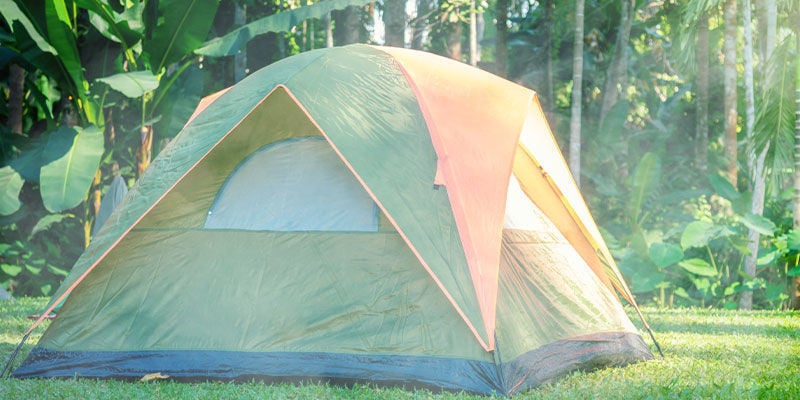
<point x="532" y="369"/>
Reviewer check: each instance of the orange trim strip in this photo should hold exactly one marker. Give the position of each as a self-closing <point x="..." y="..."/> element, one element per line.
<point x="485" y="287"/>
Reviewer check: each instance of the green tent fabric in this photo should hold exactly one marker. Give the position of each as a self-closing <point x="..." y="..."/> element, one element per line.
<point x="314" y="223"/>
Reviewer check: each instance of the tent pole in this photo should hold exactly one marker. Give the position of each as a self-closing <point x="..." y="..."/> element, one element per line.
<point x="649" y="330"/>
<point x="7" y="368"/>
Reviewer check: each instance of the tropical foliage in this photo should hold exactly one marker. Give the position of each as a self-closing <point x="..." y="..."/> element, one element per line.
<point x="98" y="87"/>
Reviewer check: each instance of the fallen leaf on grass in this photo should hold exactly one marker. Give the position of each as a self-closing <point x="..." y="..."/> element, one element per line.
<point x="153" y="376"/>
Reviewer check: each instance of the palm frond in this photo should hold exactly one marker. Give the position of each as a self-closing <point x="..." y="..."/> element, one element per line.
<point x="775" y="114"/>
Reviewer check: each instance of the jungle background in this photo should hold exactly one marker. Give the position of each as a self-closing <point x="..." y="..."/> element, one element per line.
<point x="679" y="119"/>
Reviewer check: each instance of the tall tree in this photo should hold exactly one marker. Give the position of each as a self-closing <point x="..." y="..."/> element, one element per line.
<point x="577" y="95"/>
<point x="501" y="39"/>
<point x="394" y="20"/>
<point x="795" y="282"/>
<point x="347" y="26"/>
<point x="240" y="59"/>
<point x="16" y="96"/>
<point x="549" y="91"/>
<point x="617" y="74"/>
<point x="701" y="93"/>
<point x="755" y="166"/>
<point x="424" y="8"/>
<point x="473" y="34"/>
<point x="730" y="97"/>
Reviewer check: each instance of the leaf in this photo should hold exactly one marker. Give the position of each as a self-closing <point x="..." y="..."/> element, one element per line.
<point x="723" y="187"/>
<point x="233" y="42"/>
<point x="697" y="234"/>
<point x="698" y="266"/>
<point x="46" y="289"/>
<point x="179" y="102"/>
<point x="47" y="221"/>
<point x="11" y="183"/>
<point x="33" y="270"/>
<point x="153" y="376"/>
<point x="758" y="223"/>
<point x="793" y="239"/>
<point x="181" y="26"/>
<point x="65" y="181"/>
<point x="665" y="254"/>
<point x="12" y="13"/>
<point x="57" y="271"/>
<point x="775" y="115"/>
<point x="645" y="180"/>
<point x="646" y="281"/>
<point x="125" y="28"/>
<point x="132" y="84"/>
<point x="794" y="271"/>
<point x="62" y="37"/>
<point x="11" y="270"/>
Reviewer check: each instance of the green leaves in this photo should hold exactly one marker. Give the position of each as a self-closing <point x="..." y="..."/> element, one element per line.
<point x="697" y="234"/>
<point x="10" y="186"/>
<point x="65" y="181"/>
<point x="15" y="18"/>
<point x="180" y="26"/>
<point x="700" y="233"/>
<point x="665" y="254"/>
<point x="125" y="28"/>
<point x="11" y="270"/>
<point x="723" y="187"/>
<point x="237" y="39"/>
<point x="698" y="266"/>
<point x="758" y="223"/>
<point x="132" y="84"/>
<point x="645" y="180"/>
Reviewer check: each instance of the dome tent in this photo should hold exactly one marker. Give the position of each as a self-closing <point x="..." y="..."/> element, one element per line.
<point x="353" y="214"/>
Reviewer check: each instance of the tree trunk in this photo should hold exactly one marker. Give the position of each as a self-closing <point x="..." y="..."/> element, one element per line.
<point x="454" y="42"/>
<point x="501" y="40"/>
<point x="730" y="110"/>
<point x="394" y="21"/>
<point x="424" y="8"/>
<point x="16" y="96"/>
<point x="240" y="59"/>
<point x="617" y="77"/>
<point x="348" y="26"/>
<point x="577" y="95"/>
<point x="328" y="31"/>
<point x="549" y="90"/>
<point x="755" y="164"/>
<point x="473" y="35"/>
<point x="701" y="91"/>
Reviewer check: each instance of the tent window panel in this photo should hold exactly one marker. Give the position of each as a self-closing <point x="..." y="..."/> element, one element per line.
<point x="297" y="184"/>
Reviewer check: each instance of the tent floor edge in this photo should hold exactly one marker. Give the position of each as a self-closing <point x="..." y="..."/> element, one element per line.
<point x="527" y="371"/>
<point x="563" y="357"/>
<point x="409" y="372"/>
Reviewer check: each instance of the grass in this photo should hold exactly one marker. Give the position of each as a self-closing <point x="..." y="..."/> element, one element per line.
<point x="710" y="354"/>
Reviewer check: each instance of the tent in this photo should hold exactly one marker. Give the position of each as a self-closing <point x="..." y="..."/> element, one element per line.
<point x="353" y="214"/>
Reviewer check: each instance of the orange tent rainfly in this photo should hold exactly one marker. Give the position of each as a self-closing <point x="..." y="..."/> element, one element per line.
<point x="353" y="214"/>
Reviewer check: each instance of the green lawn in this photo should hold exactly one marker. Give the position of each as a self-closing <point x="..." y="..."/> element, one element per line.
<point x="710" y="354"/>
